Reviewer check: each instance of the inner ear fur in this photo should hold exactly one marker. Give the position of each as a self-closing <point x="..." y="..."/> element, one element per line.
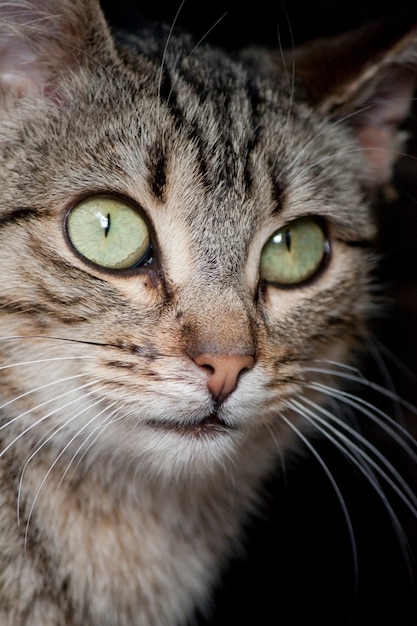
<point x="41" y="39"/>
<point x="368" y="78"/>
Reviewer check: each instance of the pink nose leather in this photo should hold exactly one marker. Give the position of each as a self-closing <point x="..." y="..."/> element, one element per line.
<point x="223" y="371"/>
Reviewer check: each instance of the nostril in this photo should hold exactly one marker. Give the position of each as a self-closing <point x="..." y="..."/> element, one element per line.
<point x="223" y="371"/>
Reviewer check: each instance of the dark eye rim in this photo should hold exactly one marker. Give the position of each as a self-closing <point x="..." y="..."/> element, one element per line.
<point x="148" y="262"/>
<point x="327" y="253"/>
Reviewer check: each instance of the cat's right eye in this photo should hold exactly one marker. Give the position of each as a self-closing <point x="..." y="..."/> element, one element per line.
<point x="109" y="232"/>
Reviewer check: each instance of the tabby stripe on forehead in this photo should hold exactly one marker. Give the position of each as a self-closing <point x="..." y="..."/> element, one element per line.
<point x="157" y="165"/>
<point x="257" y="129"/>
<point x="277" y="193"/>
<point x="158" y="159"/>
<point x="252" y="95"/>
<point x="167" y="93"/>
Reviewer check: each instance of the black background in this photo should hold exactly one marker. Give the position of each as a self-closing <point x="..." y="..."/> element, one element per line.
<point x="298" y="567"/>
<point x="234" y="23"/>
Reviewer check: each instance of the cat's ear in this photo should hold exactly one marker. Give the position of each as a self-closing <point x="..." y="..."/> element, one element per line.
<point x="40" y="39"/>
<point x="368" y="79"/>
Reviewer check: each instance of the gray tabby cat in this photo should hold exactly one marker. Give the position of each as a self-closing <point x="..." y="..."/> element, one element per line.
<point x="186" y="251"/>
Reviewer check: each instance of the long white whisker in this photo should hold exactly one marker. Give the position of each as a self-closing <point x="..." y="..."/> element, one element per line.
<point x="200" y="41"/>
<point x="164" y="54"/>
<point x="386" y="376"/>
<point x="407" y="495"/>
<point x="387" y="423"/>
<point x="382" y="349"/>
<point x="94" y="435"/>
<point x="371" y="385"/>
<point x="115" y="416"/>
<point x="281" y="455"/>
<point x="54" y="338"/>
<point x="337" y="491"/>
<point x="290" y="78"/>
<point x="362" y="462"/>
<point x="342" y="366"/>
<point x="72" y="416"/>
<point x="43" y="418"/>
<point x="49" y="360"/>
<point x="45" y="478"/>
<point x="36" y="389"/>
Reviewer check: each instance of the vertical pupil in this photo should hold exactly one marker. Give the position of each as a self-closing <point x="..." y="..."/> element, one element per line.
<point x="107" y="226"/>
<point x="288" y="239"/>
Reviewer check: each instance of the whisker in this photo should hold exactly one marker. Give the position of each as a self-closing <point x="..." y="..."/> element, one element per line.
<point x="164" y="54"/>
<point x="47" y="474"/>
<point x="206" y="34"/>
<point x="382" y="349"/>
<point x="363" y="462"/>
<point x="408" y="497"/>
<point x="69" y="339"/>
<point x="372" y="412"/>
<point x="100" y="427"/>
<point x="281" y="454"/>
<point x="49" y="436"/>
<point x="40" y="388"/>
<point x="37" y="361"/>
<point x="337" y="491"/>
<point x="342" y="366"/>
<point x="42" y="419"/>
<point x="290" y="77"/>
<point x="364" y="381"/>
<point x="386" y="377"/>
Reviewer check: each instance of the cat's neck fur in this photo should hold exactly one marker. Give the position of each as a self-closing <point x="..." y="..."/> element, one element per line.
<point x="129" y="551"/>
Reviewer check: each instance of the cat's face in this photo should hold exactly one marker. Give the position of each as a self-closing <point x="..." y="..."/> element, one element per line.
<point x="182" y="246"/>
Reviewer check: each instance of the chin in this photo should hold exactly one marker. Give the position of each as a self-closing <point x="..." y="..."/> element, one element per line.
<point x="170" y="452"/>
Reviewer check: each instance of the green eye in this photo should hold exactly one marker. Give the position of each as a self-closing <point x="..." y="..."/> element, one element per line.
<point x="294" y="253"/>
<point x="109" y="232"/>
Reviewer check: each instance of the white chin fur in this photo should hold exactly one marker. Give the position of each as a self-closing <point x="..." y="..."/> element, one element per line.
<point x="169" y="454"/>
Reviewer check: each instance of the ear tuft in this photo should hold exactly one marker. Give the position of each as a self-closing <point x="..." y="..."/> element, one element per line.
<point x="39" y="39"/>
<point x="368" y="78"/>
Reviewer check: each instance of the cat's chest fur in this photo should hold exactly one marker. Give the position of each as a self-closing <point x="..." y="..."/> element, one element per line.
<point x="99" y="551"/>
<point x="119" y="555"/>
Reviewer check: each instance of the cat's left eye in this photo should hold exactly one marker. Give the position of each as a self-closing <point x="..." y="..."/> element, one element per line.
<point x="294" y="253"/>
<point x="109" y="232"/>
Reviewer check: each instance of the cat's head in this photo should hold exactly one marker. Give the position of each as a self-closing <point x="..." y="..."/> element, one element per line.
<point x="185" y="238"/>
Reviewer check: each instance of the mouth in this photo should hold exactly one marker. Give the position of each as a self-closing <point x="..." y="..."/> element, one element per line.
<point x="210" y="425"/>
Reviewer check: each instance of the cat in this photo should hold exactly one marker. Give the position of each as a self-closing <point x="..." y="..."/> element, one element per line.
<point x="187" y="241"/>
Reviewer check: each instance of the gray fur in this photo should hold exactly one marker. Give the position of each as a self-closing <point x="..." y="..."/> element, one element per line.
<point x="119" y="501"/>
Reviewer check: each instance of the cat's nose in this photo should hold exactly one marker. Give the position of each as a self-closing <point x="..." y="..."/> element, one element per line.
<point x="223" y="371"/>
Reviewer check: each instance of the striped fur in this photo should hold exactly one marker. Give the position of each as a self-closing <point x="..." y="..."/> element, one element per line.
<point x="124" y="482"/>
